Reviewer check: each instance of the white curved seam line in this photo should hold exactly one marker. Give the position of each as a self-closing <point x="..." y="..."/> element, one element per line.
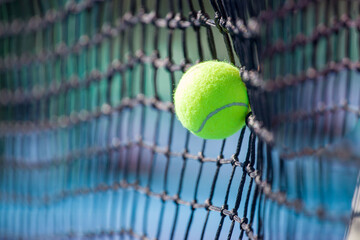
<point x="218" y="110"/>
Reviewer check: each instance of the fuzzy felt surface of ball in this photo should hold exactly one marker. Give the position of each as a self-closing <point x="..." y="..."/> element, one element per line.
<point x="211" y="100"/>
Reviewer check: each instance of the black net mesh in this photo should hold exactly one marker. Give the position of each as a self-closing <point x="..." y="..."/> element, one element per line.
<point x="90" y="146"/>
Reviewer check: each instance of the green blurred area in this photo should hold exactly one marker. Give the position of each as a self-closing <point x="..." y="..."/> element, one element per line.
<point x="122" y="47"/>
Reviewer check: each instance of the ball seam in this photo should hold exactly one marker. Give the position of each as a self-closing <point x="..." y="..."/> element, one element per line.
<point x="218" y="110"/>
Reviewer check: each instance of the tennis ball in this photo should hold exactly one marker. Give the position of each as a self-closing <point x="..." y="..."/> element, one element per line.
<point x="211" y="100"/>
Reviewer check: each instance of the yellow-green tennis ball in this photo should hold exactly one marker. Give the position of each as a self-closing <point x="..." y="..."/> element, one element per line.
<point x="211" y="100"/>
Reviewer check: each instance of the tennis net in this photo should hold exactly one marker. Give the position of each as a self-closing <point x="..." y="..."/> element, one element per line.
<point x="90" y="146"/>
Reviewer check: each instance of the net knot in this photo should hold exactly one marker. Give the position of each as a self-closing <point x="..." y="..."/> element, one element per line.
<point x="346" y="62"/>
<point x="185" y="65"/>
<point x="74" y="81"/>
<point x="147" y="191"/>
<point x="281" y="198"/>
<point x="298" y="205"/>
<point x="110" y="72"/>
<point x="167" y="152"/>
<point x="164" y="196"/>
<point x="200" y="157"/>
<point x="267" y="189"/>
<point x="223" y="209"/>
<point x="247" y="118"/>
<point x="234" y="159"/>
<point x="193" y="20"/>
<point x="50" y="16"/>
<point x="184" y="154"/>
<point x="202" y="17"/>
<point x="180" y="22"/>
<point x="168" y="64"/>
<point x="95" y="75"/>
<point x="106" y="109"/>
<point x="34" y="22"/>
<point x="141" y="99"/>
<point x="244" y="220"/>
<point x="233" y="213"/>
<point x="176" y="199"/>
<point x="107" y="30"/>
<point x="154" y="59"/>
<point x="250" y="170"/>
<point x="193" y="204"/>
<point x="154" y="101"/>
<point x="83" y="115"/>
<point x="207" y="204"/>
<point x="218" y="160"/>
<point x="61" y="49"/>
<point x="170" y="20"/>
<point x="140" y="55"/>
<point x="84" y="41"/>
<point x="129" y="19"/>
<point x="116" y="65"/>
<point x="221" y="23"/>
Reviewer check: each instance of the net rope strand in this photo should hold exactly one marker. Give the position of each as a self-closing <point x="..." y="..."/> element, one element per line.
<point x="278" y="197"/>
<point x="76" y="118"/>
<point x="85" y="41"/>
<point x="96" y="152"/>
<point x="128" y="20"/>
